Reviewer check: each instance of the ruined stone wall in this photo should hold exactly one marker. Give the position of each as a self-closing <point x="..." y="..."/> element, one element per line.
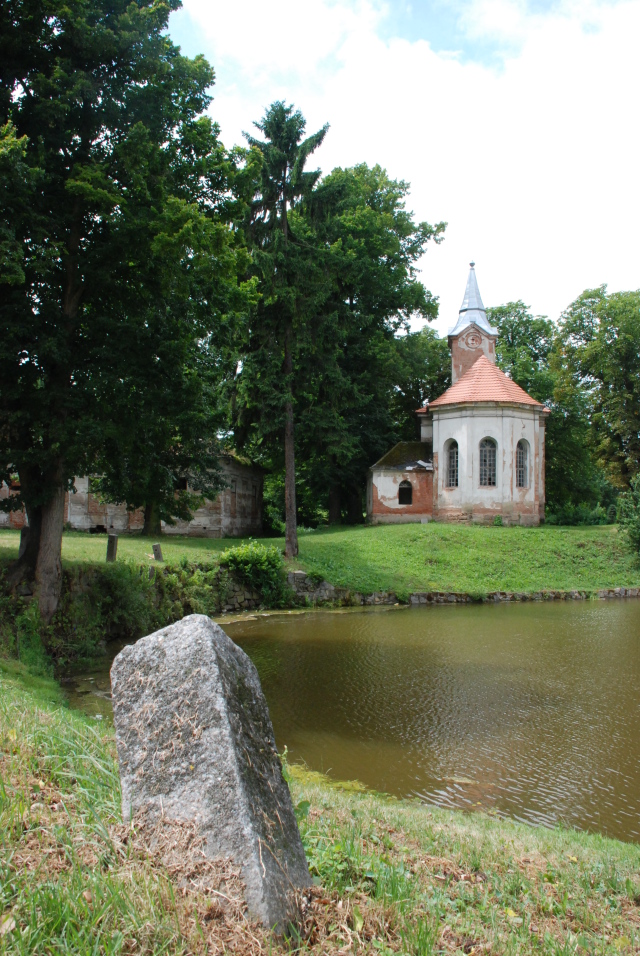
<point x="10" y="519"/>
<point x="236" y="512"/>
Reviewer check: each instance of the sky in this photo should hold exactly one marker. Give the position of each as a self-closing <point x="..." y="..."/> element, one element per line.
<point x="515" y="121"/>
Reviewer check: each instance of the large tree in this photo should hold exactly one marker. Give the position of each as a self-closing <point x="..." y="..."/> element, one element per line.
<point x="283" y="260"/>
<point x="530" y="350"/>
<point x="357" y="372"/>
<point x="600" y="335"/>
<point x="117" y="262"/>
<point x="356" y="291"/>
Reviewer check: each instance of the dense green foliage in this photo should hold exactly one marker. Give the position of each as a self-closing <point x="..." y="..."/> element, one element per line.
<point x="530" y="349"/>
<point x="127" y="599"/>
<point x="629" y="513"/>
<point x="600" y="347"/>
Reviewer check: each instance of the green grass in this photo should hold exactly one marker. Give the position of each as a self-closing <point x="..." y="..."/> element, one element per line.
<point x="80" y="547"/>
<point x="471" y="559"/>
<point x="392" y="876"/>
<point x="406" y="558"/>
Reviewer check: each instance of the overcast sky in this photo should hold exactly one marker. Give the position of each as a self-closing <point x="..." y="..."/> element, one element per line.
<point x="515" y="121"/>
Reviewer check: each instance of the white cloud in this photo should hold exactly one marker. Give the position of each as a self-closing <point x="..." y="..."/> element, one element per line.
<point x="532" y="163"/>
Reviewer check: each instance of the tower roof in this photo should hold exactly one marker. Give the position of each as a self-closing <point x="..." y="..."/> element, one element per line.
<point x="472" y="311"/>
<point x="484" y="382"/>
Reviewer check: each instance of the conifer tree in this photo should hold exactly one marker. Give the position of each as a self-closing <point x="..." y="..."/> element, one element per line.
<point x="284" y="262"/>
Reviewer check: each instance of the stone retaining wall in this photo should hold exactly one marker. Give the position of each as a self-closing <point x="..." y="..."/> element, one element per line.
<point x="239" y="598"/>
<point x="442" y="597"/>
<point x="312" y="592"/>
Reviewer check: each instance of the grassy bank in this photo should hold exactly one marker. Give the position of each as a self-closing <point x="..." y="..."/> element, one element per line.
<point x="406" y="558"/>
<point x="391" y="877"/>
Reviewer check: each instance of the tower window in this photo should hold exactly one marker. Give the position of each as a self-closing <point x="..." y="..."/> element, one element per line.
<point x="522" y="464"/>
<point x="405" y="493"/>
<point x="488" y="463"/>
<point x="452" y="465"/>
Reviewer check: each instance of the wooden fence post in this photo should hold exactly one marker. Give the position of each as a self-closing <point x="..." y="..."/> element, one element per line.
<point x="112" y="547"/>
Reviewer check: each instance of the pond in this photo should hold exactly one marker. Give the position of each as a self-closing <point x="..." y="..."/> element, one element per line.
<point x="528" y="710"/>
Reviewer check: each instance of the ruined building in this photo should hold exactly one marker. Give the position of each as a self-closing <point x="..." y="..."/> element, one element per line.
<point x="481" y="453"/>
<point x="236" y="512"/>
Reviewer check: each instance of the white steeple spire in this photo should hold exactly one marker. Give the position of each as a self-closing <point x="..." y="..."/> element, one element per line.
<point x="472" y="311"/>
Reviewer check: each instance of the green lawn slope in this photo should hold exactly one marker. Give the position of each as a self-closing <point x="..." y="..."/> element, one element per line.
<point x="407" y="558"/>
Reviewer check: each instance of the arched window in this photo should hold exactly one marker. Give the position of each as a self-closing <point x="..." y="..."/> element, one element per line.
<point x="405" y="493"/>
<point x="451" y="464"/>
<point x="488" y="462"/>
<point x="522" y="464"/>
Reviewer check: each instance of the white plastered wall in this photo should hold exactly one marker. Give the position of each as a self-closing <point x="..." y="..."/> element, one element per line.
<point x="506" y="425"/>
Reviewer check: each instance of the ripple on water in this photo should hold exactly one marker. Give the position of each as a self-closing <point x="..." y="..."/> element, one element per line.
<point x="529" y="710"/>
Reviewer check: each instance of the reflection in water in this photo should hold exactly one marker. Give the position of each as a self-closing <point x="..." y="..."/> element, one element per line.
<point x="529" y="709"/>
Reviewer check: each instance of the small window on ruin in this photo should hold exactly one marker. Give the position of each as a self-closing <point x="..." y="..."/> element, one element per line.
<point x="254" y="499"/>
<point x="452" y="464"/>
<point x="405" y="493"/>
<point x="181" y="484"/>
<point x="488" y="463"/>
<point x="522" y="464"/>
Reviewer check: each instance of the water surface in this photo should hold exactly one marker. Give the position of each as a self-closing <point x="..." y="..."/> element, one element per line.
<point x="531" y="710"/>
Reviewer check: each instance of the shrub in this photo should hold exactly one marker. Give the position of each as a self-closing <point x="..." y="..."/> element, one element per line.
<point x="261" y="569"/>
<point x="629" y="513"/>
<point x="581" y="514"/>
<point x="29" y="644"/>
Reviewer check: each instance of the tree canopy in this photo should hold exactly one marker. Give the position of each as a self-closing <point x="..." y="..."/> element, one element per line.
<point x="119" y="261"/>
<point x="352" y="255"/>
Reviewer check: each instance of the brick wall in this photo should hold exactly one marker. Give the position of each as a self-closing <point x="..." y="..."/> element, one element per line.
<point x="385" y="484"/>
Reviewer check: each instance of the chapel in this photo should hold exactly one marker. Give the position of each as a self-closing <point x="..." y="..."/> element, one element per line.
<point x="481" y="449"/>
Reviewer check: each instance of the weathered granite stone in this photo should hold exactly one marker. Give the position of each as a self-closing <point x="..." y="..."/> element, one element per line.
<point x="195" y="743"/>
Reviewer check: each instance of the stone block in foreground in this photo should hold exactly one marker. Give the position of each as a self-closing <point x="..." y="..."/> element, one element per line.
<point x="195" y="743"/>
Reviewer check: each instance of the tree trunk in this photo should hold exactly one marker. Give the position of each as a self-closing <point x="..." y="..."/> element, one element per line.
<point x="49" y="563"/>
<point x="291" y="532"/>
<point x="151" y="528"/>
<point x="24" y="568"/>
<point x="354" y="508"/>
<point x="335" y="504"/>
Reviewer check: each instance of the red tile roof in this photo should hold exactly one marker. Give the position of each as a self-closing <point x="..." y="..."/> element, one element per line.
<point x="484" y="382"/>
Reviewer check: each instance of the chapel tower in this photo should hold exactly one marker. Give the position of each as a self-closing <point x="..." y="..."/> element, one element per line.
<point x="472" y="335"/>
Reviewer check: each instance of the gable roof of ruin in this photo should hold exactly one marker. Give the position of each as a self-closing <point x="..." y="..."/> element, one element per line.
<point x="407" y="455"/>
<point x="484" y="382"/>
